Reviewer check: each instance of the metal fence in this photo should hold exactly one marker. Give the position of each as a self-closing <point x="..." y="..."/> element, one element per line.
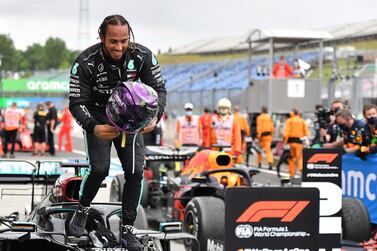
<point x="251" y="98"/>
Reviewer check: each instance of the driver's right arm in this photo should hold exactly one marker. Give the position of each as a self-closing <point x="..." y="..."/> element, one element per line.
<point x="80" y="87"/>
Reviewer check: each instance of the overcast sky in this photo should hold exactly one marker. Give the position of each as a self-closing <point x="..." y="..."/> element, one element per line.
<point x="160" y="24"/>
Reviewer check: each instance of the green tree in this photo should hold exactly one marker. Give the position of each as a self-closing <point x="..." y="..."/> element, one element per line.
<point x="10" y="59"/>
<point x="54" y="51"/>
<point x="32" y="58"/>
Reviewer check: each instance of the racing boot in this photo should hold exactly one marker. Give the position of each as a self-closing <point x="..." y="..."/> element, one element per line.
<point x="129" y="240"/>
<point x="78" y="221"/>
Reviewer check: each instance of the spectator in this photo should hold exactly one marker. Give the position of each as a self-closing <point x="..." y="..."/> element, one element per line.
<point x="12" y="124"/>
<point x="39" y="134"/>
<point x="351" y="128"/>
<point x="282" y="69"/>
<point x="189" y="129"/>
<point x="65" y="130"/>
<point x="52" y="117"/>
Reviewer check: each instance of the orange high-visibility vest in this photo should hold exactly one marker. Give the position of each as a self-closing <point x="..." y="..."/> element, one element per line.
<point x="12" y="118"/>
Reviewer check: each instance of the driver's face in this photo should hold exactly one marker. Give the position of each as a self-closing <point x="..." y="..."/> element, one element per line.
<point x="116" y="41"/>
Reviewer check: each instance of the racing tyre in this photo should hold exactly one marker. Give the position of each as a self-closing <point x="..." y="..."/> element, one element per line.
<point x="141" y="221"/>
<point x="204" y="218"/>
<point x="355" y="220"/>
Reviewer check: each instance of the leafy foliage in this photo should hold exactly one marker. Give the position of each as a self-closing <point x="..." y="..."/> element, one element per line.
<point x="52" y="55"/>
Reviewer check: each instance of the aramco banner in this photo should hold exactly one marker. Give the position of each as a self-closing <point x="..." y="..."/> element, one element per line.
<point x="24" y="85"/>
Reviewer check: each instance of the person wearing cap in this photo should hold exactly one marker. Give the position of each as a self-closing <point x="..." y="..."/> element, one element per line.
<point x="95" y="74"/>
<point x="189" y="128"/>
<point x="225" y="130"/>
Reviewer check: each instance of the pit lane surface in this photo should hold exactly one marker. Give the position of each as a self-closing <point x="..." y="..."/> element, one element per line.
<point x="266" y="177"/>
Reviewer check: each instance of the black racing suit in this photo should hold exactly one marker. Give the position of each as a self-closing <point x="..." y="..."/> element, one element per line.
<point x="93" y="78"/>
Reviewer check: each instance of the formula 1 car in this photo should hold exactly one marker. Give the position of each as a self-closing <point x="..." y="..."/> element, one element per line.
<point x="196" y="196"/>
<point x="47" y="226"/>
<point x="24" y="184"/>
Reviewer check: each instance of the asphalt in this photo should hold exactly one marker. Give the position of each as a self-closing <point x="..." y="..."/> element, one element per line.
<point x="266" y="177"/>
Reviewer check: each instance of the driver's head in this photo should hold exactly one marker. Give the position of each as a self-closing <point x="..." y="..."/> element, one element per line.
<point x="224" y="106"/>
<point x="115" y="33"/>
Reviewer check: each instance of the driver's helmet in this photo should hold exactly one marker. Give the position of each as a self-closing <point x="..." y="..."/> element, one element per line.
<point x="131" y="106"/>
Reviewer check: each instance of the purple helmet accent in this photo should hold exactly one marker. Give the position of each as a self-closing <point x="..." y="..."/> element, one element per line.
<point x="131" y="106"/>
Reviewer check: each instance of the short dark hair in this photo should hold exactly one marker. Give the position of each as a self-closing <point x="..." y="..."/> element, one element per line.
<point x="338" y="101"/>
<point x="264" y="109"/>
<point x="115" y="20"/>
<point x="295" y="111"/>
<point x="367" y="107"/>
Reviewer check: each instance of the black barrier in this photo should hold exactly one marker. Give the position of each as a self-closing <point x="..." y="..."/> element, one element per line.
<point x="271" y="219"/>
<point x="322" y="169"/>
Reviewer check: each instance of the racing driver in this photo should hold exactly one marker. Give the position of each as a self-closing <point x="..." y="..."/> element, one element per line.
<point x="95" y="73"/>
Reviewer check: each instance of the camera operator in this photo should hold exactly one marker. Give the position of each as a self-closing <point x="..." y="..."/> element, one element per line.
<point x="331" y="132"/>
<point x="352" y="130"/>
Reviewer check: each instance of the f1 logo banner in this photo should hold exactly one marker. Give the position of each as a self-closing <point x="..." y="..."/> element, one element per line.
<point x="322" y="169"/>
<point x="271" y="218"/>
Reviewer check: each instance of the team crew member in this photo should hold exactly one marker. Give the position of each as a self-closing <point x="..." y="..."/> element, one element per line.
<point x="265" y="133"/>
<point x="242" y="122"/>
<point x="295" y="130"/>
<point x="225" y="130"/>
<point x="39" y="134"/>
<point x="352" y="130"/>
<point x="331" y="134"/>
<point x="369" y="144"/>
<point x="189" y="128"/>
<point x="206" y="121"/>
<point x="12" y="123"/>
<point x="95" y="73"/>
<point x="52" y="118"/>
<point x="65" y="130"/>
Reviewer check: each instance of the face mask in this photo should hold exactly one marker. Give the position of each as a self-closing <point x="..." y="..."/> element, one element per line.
<point x="223" y="111"/>
<point x="189" y="113"/>
<point x="372" y="121"/>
